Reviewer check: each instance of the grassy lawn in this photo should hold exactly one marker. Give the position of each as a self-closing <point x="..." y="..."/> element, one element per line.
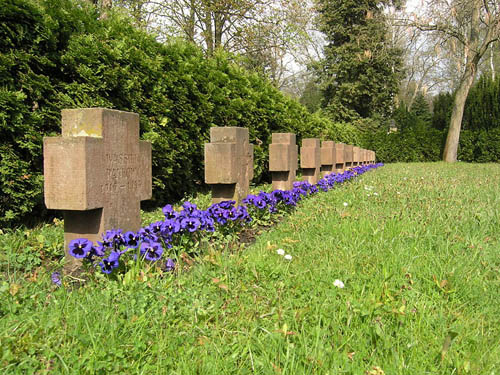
<point x="417" y="247"/>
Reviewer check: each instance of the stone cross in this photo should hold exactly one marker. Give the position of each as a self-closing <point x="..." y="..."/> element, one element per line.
<point x="228" y="163"/>
<point x="348" y="153"/>
<point x="98" y="172"/>
<point x="310" y="159"/>
<point x="339" y="157"/>
<point x="356" y="156"/>
<point x="283" y="160"/>
<point x="328" y="157"/>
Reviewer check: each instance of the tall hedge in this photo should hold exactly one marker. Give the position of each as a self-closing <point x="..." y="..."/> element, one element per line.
<point x="59" y="54"/>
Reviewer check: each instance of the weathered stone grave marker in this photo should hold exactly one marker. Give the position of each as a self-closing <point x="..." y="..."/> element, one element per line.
<point x="283" y="160"/>
<point x="97" y="172"/>
<point x="339" y="157"/>
<point x="328" y="157"/>
<point x="356" y="156"/>
<point x="228" y="163"/>
<point x="310" y="159"/>
<point x="348" y="153"/>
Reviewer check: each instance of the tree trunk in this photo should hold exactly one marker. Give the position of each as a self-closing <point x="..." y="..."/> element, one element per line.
<point x="451" y="146"/>
<point x="472" y="58"/>
<point x="218" y="28"/>
<point x="190" y="25"/>
<point x="208" y="32"/>
<point x="492" y="64"/>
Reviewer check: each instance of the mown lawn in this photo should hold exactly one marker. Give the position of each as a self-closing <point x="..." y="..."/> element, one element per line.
<point x="417" y="247"/>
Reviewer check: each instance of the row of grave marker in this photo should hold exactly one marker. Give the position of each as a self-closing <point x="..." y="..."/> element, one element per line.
<point x="99" y="171"/>
<point x="229" y="161"/>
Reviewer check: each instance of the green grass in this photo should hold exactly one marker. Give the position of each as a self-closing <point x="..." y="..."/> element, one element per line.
<point x="420" y="262"/>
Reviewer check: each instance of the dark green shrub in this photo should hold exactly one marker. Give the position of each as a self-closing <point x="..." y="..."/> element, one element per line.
<point x="488" y="146"/>
<point x="467" y="146"/>
<point x="419" y="144"/>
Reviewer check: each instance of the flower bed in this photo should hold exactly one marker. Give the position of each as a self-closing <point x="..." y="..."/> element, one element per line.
<point x="182" y="231"/>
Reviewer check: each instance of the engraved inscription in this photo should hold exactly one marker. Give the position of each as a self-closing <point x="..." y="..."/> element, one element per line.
<point x="123" y="173"/>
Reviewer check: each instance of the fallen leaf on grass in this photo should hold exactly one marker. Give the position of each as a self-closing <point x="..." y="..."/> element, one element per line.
<point x="13" y="289"/>
<point x="375" y="371"/>
<point x="444" y="285"/>
<point x="351" y="355"/>
<point x="223" y="286"/>
<point x="270" y="247"/>
<point x="187" y="259"/>
<point x="276" y="368"/>
<point x="343" y="215"/>
<point x="202" y="340"/>
<point x="215" y="280"/>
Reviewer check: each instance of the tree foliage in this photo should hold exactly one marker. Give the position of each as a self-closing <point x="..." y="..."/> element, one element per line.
<point x="442" y="105"/>
<point x="361" y="70"/>
<point x="482" y="108"/>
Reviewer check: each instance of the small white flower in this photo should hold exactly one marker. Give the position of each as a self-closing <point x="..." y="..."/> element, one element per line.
<point x="368" y="195"/>
<point x="288" y="257"/>
<point x="346" y="204"/>
<point x="280" y="252"/>
<point x="338" y="283"/>
<point x="375" y="193"/>
<point x="398" y="193"/>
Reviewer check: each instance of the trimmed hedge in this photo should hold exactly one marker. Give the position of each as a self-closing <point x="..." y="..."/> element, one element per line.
<point x="418" y="145"/>
<point x="59" y="54"/>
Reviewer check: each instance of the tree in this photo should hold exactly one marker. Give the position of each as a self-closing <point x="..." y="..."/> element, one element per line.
<point x="473" y="25"/>
<point x="421" y="109"/>
<point x="361" y="69"/>
<point x="271" y="35"/>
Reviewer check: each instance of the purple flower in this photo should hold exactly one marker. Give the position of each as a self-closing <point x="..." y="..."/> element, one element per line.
<point x="132" y="239"/>
<point x="146" y="233"/>
<point x="110" y="263"/>
<point x="114" y="238"/>
<point x="157" y="227"/>
<point x="151" y="250"/>
<point x="171" y="226"/>
<point x="227" y="205"/>
<point x="79" y="248"/>
<point x="189" y="208"/>
<point x="259" y="202"/>
<point x="56" y="278"/>
<point x="170" y="265"/>
<point x="220" y="215"/>
<point x="190" y="223"/>
<point x="169" y="212"/>
<point x="99" y="250"/>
